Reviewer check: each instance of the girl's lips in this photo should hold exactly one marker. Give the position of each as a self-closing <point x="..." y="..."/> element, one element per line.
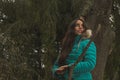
<point x="79" y="31"/>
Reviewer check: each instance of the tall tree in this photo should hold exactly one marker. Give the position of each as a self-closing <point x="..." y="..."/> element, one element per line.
<point x="100" y="14"/>
<point x="112" y="71"/>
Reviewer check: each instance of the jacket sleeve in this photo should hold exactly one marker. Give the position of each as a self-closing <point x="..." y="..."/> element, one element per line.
<point x="55" y="67"/>
<point x="89" y="61"/>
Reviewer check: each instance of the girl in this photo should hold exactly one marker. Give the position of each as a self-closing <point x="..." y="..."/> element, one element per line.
<point x="75" y="40"/>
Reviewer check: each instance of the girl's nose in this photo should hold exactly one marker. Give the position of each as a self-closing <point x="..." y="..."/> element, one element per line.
<point x="80" y="27"/>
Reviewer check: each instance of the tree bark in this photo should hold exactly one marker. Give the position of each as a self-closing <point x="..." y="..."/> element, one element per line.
<point x="100" y="14"/>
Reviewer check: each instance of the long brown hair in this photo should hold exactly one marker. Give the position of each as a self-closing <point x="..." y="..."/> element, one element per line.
<point x="68" y="40"/>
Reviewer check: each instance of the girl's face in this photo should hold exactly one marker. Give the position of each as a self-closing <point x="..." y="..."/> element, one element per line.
<point x="79" y="27"/>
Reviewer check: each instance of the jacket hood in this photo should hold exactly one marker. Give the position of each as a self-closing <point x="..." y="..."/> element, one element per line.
<point x="87" y="34"/>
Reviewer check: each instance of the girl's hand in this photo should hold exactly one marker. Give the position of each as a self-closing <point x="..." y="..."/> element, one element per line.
<point x="61" y="69"/>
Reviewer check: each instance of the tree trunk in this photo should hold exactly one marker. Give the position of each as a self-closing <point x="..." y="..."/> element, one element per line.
<point x="100" y="14"/>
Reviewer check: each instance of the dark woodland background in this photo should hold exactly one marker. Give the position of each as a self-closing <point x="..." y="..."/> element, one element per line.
<point x="31" y="32"/>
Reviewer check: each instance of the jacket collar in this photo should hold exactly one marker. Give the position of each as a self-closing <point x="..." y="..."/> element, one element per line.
<point x="86" y="35"/>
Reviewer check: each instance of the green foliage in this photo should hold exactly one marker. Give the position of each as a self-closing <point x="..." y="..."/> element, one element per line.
<point x="30" y="32"/>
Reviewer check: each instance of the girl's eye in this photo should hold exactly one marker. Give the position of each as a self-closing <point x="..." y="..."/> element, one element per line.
<point x="77" y="25"/>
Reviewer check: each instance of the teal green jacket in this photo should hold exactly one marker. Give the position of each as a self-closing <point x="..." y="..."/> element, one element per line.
<point x="82" y="70"/>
